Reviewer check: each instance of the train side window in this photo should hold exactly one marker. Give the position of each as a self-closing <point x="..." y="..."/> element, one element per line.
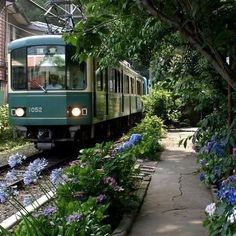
<point x="99" y="79"/>
<point x="112" y="80"/>
<point x="139" y="88"/>
<point x="118" y="82"/>
<point x="18" y="69"/>
<point x="131" y="85"/>
<point x="126" y="84"/>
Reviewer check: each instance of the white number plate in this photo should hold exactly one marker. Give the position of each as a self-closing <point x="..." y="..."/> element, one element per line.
<point x="35" y="109"/>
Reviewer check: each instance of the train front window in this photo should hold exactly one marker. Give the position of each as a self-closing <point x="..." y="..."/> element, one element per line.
<point x="76" y="71"/>
<point x="46" y="67"/>
<point x="18" y="69"/>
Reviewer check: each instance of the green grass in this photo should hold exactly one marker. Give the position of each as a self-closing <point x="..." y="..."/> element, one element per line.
<point x="10" y="144"/>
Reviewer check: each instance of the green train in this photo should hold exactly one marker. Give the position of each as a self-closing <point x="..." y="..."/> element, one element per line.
<point x="54" y="99"/>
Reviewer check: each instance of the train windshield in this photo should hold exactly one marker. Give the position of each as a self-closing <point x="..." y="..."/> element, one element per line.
<point x="46" y="68"/>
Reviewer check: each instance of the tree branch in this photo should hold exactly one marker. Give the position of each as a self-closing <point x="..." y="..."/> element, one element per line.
<point x="196" y="39"/>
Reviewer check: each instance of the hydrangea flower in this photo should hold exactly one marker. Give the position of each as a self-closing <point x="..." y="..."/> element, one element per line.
<point x="110" y="181"/>
<point x="135" y="138"/>
<point x="28" y="199"/>
<point x="6" y="192"/>
<point x="203" y="163"/>
<point x="210" y="209"/>
<point x="227" y="192"/>
<point x="101" y="198"/>
<point x="57" y="176"/>
<point x="11" y="176"/>
<point x="202" y="177"/>
<point x="38" y="165"/>
<point x="32" y="173"/>
<point x="73" y="218"/>
<point x="232" y="217"/>
<point x="16" y="159"/>
<point x="48" y="211"/>
<point x="30" y="177"/>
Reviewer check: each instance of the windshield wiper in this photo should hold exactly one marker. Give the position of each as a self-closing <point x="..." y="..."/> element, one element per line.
<point x="40" y="86"/>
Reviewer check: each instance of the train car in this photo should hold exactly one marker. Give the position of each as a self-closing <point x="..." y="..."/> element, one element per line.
<point x="54" y="99"/>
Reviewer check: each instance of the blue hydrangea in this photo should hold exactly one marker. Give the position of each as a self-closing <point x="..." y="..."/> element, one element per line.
<point x="11" y="176"/>
<point x="30" y="177"/>
<point x="135" y="138"/>
<point x="38" y="165"/>
<point x="4" y="193"/>
<point x="28" y="199"/>
<point x="56" y="176"/>
<point x="16" y="159"/>
<point x="33" y="171"/>
<point x="227" y="191"/>
<point x="202" y="176"/>
<point x="215" y="147"/>
<point x="203" y="162"/>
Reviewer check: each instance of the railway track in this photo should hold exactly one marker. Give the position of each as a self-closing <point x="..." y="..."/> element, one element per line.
<point x="54" y="160"/>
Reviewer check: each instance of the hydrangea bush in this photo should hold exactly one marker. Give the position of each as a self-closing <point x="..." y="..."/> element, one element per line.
<point x="221" y="216"/>
<point x="217" y="165"/>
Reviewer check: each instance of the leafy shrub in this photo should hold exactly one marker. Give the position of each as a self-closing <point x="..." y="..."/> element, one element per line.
<point x="5" y="128"/>
<point x="162" y="104"/>
<point x="152" y="129"/>
<point x="6" y="131"/>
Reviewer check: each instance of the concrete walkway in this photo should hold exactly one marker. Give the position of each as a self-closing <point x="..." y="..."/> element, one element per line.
<point x="176" y="199"/>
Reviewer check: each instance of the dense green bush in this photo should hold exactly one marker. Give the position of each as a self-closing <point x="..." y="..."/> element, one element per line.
<point x="152" y="129"/>
<point x="7" y="140"/>
<point x="162" y="104"/>
<point x="5" y="128"/>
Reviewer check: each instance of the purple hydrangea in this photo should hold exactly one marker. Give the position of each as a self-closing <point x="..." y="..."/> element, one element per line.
<point x="101" y="198"/>
<point x="110" y="181"/>
<point x="73" y="218"/>
<point x="48" y="211"/>
<point x="16" y="159"/>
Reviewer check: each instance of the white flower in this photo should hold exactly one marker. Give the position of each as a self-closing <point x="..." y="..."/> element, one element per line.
<point x="232" y="218"/>
<point x="210" y="209"/>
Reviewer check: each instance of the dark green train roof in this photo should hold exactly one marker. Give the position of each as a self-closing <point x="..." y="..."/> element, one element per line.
<point x="36" y="40"/>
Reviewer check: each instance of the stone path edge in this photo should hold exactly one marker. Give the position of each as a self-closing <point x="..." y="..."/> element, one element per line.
<point x="127" y="221"/>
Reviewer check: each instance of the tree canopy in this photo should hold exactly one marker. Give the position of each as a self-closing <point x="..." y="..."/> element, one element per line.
<point x="136" y="29"/>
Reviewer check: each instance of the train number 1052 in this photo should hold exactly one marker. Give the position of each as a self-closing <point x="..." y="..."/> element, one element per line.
<point x="35" y="109"/>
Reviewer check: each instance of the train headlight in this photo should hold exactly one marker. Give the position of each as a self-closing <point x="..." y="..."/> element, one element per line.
<point x="19" y="112"/>
<point x="76" y="111"/>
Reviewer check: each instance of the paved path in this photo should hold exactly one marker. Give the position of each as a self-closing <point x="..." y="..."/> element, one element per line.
<point x="176" y="200"/>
